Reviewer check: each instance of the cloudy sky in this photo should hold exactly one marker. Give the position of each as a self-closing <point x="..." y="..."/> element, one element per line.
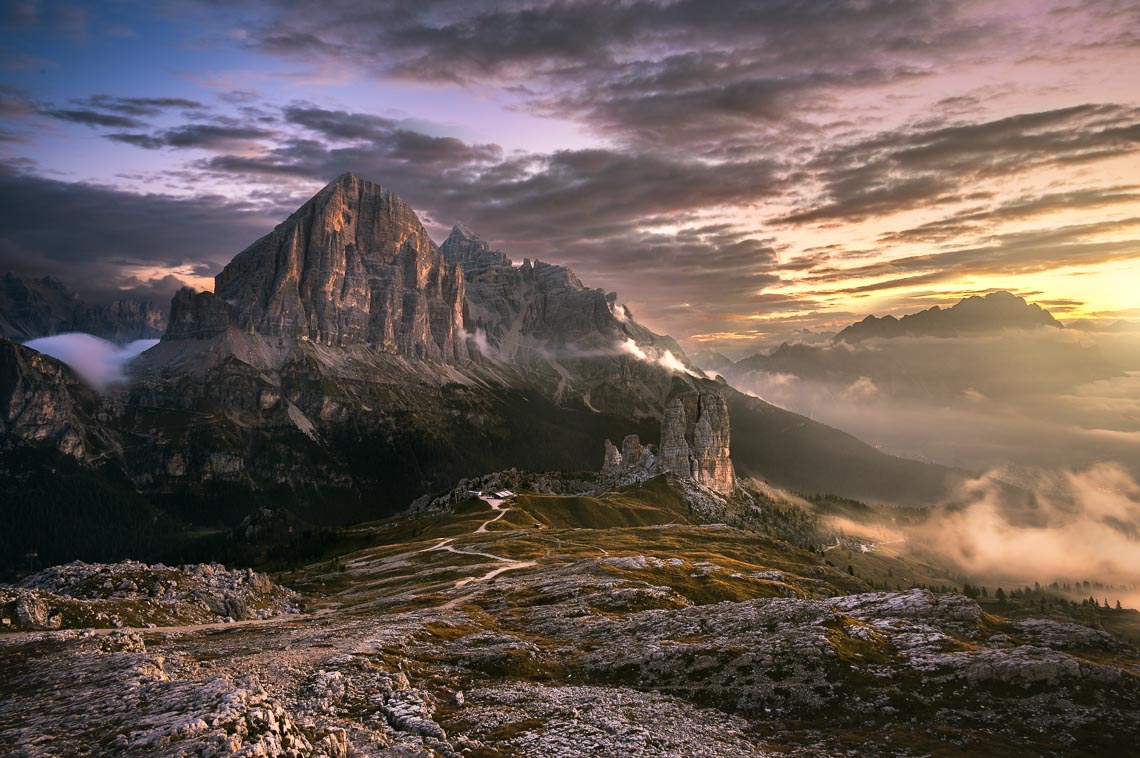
<point x="734" y="170"/>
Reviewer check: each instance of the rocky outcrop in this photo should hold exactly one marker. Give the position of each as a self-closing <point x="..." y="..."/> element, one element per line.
<point x="695" y="440"/>
<point x="353" y="265"/>
<point x="93" y="595"/>
<point x="39" y="307"/>
<point x="634" y="462"/>
<point x="42" y="401"/>
<point x="612" y="459"/>
<point x="198" y="315"/>
<point x="121" y="321"/>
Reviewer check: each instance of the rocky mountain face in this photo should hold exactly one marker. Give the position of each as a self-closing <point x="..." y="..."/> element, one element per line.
<point x="574" y="341"/>
<point x="994" y="312"/>
<point x="40" y="307"/>
<point x="353" y="265"/>
<point x="43" y="402"/>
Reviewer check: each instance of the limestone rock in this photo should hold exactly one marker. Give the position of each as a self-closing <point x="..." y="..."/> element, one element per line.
<point x="353" y="265"/>
<point x="42" y="401"/>
<point x="613" y="459"/>
<point x="466" y="249"/>
<point x="32" y="613"/>
<point x="198" y="315"/>
<point x="695" y="440"/>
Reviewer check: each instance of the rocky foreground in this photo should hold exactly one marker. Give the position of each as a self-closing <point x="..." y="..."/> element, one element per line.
<point x="507" y="628"/>
<point x="80" y="595"/>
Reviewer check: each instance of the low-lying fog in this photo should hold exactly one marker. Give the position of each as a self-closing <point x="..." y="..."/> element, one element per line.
<point x="1056" y="412"/>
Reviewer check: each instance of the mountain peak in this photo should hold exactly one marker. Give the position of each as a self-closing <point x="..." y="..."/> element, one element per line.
<point x="468" y="250"/>
<point x="462" y="231"/>
<point x="992" y="312"/>
<point x="354" y="264"/>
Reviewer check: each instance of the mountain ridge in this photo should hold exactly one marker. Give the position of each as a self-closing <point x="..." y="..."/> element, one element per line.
<point x="32" y="307"/>
<point x="975" y="314"/>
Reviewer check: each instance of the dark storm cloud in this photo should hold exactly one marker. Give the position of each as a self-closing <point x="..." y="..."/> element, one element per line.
<point x="93" y="238"/>
<point x="136" y="106"/>
<point x="89" y="117"/>
<point x="912" y="168"/>
<point x="193" y="136"/>
<point x="669" y="74"/>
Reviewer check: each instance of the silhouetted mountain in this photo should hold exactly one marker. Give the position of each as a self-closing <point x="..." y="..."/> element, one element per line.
<point x="996" y="311"/>
<point x="38" y="307"/>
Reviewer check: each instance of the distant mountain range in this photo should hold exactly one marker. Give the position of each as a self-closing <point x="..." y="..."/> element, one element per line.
<point x="346" y="365"/>
<point x="996" y="311"/>
<point x="932" y="365"/>
<point x="33" y="307"/>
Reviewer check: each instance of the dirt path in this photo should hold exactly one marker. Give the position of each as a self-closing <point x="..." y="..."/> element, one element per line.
<point x="496" y="505"/>
<point x="510" y="564"/>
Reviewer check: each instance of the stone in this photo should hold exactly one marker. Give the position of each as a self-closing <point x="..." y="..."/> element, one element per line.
<point x="612" y="461"/>
<point x="42" y="401"/>
<point x="33" y="613"/>
<point x="353" y="265"/>
<point x="695" y="440"/>
<point x="198" y="315"/>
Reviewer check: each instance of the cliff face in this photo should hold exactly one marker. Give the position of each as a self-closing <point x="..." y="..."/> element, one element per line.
<point x="695" y="440"/>
<point x="198" y="315"/>
<point x="121" y="321"/>
<point x="43" y="402"/>
<point x="351" y="266"/>
<point x="570" y="340"/>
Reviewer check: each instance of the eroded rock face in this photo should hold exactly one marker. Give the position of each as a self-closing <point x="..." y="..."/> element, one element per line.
<point x="695" y="440"/>
<point x="465" y="248"/>
<point x="353" y="265"/>
<point x="613" y="458"/>
<point x="198" y="315"/>
<point x="634" y="462"/>
<point x="42" y="401"/>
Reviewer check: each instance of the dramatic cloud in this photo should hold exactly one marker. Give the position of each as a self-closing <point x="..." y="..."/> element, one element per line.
<point x="93" y="118"/>
<point x="194" y="136"/>
<point x="137" y="106"/>
<point x="107" y="243"/>
<point x="905" y="169"/>
<point x="1084" y="526"/>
